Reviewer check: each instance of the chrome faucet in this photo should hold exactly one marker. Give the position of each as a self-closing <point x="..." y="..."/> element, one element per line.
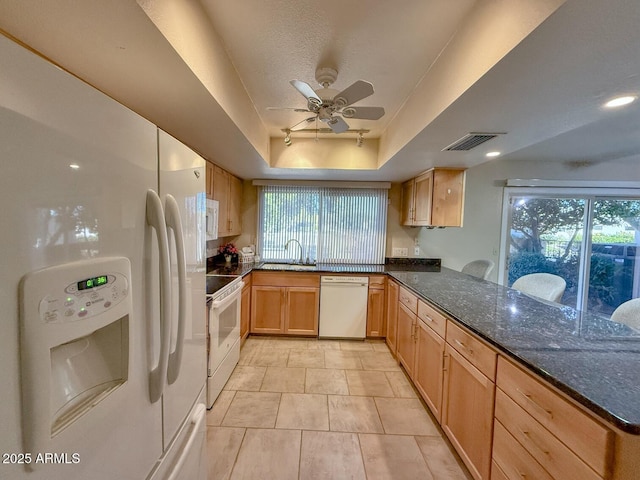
<point x="294" y="240"/>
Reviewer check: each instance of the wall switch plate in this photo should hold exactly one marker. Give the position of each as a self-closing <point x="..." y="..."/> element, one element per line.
<point x="416" y="250"/>
<point x="404" y="252"/>
<point x="396" y="252"/>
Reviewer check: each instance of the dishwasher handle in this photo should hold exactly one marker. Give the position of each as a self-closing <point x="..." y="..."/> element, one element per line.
<point x="344" y="281"/>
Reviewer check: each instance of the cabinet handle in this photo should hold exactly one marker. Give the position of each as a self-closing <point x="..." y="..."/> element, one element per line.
<point x="531" y="439"/>
<point x="522" y="475"/>
<point x="530" y="399"/>
<point x="428" y="318"/>
<point x="444" y="362"/>
<point x="413" y="330"/>
<point x="462" y="345"/>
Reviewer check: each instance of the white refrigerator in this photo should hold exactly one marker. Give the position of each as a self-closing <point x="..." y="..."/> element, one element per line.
<point x="102" y="277"/>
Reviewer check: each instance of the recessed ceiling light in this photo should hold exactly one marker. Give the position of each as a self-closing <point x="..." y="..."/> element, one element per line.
<point x="74" y="166"/>
<point x="492" y="154"/>
<point x="620" y="101"/>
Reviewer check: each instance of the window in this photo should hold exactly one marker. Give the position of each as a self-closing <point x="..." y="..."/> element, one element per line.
<point x="589" y="237"/>
<point x="333" y="225"/>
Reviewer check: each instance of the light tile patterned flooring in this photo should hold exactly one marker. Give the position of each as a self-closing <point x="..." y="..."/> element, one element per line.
<point x="323" y="409"/>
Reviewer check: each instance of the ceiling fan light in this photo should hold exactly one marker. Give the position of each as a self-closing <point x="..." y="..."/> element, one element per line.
<point x="287" y="139"/>
<point x="359" y="140"/>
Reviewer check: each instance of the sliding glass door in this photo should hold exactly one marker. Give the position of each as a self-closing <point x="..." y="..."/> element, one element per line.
<point x="589" y="240"/>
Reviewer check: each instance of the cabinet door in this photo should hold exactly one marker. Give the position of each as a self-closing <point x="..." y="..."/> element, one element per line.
<point x="448" y="198"/>
<point x="422" y="197"/>
<point x="245" y="310"/>
<point x="467" y="412"/>
<point x="406" y="343"/>
<point x="234" y="205"/>
<point x="428" y="369"/>
<point x="210" y="168"/>
<point x="392" y="315"/>
<point x="375" y="313"/>
<point x="221" y="194"/>
<point x="301" y="311"/>
<point x="267" y="309"/>
<point x="407" y="203"/>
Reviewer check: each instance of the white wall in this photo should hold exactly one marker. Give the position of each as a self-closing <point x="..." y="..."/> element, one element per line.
<point x="480" y="236"/>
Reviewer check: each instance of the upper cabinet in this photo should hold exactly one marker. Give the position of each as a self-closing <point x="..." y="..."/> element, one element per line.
<point x="227" y="190"/>
<point x="209" y="180"/>
<point x="434" y="198"/>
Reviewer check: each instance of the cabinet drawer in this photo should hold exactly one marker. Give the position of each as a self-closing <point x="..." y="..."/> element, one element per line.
<point x="376" y="281"/>
<point x="408" y="299"/>
<point x="497" y="473"/>
<point x="550" y="452"/>
<point x="514" y="461"/>
<point x="587" y="438"/>
<point x="432" y="318"/>
<point x="480" y="355"/>
<point x="286" y="279"/>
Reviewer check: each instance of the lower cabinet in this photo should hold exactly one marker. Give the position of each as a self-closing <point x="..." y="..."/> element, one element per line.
<point x="376" y="307"/>
<point x="245" y="307"/>
<point x="553" y="435"/>
<point x="467" y="412"/>
<point x="428" y="370"/>
<point x="284" y="303"/>
<point x="406" y="344"/>
<point x="392" y="315"/>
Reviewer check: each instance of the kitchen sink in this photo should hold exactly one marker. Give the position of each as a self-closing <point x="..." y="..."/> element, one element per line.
<point x="288" y="266"/>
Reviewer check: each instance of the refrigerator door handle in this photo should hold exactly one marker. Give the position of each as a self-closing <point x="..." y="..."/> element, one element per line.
<point x="174" y="222"/>
<point x="155" y="218"/>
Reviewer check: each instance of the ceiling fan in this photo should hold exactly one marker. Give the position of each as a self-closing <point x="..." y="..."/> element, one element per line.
<point x="329" y="105"/>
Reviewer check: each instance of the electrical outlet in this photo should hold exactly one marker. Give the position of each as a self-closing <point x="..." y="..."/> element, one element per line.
<point x="396" y="252"/>
<point x="416" y="250"/>
<point x="404" y="252"/>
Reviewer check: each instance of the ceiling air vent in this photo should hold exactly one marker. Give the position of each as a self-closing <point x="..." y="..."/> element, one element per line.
<point x="471" y="140"/>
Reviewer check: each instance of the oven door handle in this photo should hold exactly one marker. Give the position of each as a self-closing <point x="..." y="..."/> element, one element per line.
<point x="225" y="302"/>
<point x="173" y="221"/>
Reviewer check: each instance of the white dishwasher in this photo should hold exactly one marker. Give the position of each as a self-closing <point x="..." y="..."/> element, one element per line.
<point x="343" y="307"/>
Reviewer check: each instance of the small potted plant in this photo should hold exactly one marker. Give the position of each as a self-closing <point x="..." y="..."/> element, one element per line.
<point x="228" y="249"/>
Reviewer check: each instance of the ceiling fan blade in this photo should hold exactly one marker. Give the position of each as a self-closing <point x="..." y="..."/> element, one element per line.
<point x="337" y="124"/>
<point x="303" y="124"/>
<point x="364" y="113"/>
<point x="306" y="91"/>
<point x="289" y="108"/>
<point x="357" y="91"/>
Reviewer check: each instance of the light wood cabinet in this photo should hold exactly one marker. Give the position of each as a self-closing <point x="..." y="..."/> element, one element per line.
<point x="406" y="335"/>
<point x="227" y="190"/>
<point x="285" y="303"/>
<point x="567" y="442"/>
<point x="301" y="310"/>
<point x="376" y="307"/>
<point x="428" y="370"/>
<point x="392" y="315"/>
<point x="267" y="309"/>
<point x="434" y="199"/>
<point x="210" y="168"/>
<point x="245" y="307"/>
<point x="467" y="412"/>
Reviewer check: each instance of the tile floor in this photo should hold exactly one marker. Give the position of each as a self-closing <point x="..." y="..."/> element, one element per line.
<point x="323" y="409"/>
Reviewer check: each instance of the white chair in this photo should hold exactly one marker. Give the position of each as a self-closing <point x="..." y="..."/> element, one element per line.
<point x="628" y="313"/>
<point x="542" y="285"/>
<point x="478" y="268"/>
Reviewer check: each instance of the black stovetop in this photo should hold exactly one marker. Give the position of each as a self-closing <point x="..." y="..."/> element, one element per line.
<point x="216" y="282"/>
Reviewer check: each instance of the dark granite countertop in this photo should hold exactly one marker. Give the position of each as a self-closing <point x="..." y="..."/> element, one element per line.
<point x="592" y="359"/>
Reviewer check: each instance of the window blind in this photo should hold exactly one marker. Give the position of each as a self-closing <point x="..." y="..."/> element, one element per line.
<point x="332" y="225"/>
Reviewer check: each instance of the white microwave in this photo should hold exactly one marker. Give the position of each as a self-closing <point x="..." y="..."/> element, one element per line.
<point x="213" y="207"/>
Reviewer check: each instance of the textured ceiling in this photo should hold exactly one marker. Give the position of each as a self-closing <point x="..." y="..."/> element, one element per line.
<point x="390" y="44"/>
<point x="205" y="71"/>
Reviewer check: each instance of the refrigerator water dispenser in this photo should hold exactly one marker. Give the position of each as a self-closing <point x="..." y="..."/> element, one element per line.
<point x="74" y="344"/>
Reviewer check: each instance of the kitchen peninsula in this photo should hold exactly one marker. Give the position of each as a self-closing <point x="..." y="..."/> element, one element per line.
<point x="568" y="379"/>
